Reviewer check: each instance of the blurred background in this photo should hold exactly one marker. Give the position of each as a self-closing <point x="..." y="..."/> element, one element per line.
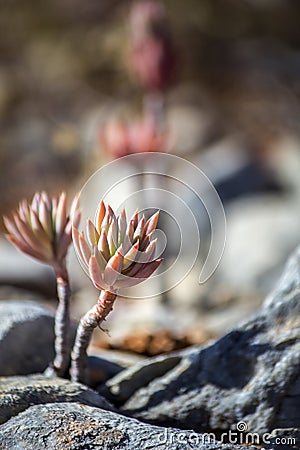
<point x="216" y="82"/>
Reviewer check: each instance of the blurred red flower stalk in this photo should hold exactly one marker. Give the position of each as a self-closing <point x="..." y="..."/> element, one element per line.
<point x="152" y="57"/>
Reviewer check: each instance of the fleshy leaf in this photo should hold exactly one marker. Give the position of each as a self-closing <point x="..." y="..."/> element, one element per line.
<point x="75" y="236"/>
<point x="130" y="256"/>
<point x="61" y="214"/>
<point x="44" y="217"/>
<point x="135" y="219"/>
<point x="144" y="272"/>
<point x="11" y="227"/>
<point x="113" y="268"/>
<point x="103" y="246"/>
<point x="151" y="223"/>
<point x="112" y="236"/>
<point x="100" y="216"/>
<point x="122" y="225"/>
<point x="85" y="250"/>
<point x="100" y="258"/>
<point x="139" y="229"/>
<point x="148" y="254"/>
<point x="92" y="233"/>
<point x="95" y="273"/>
<point x="23" y="247"/>
<point x="28" y="235"/>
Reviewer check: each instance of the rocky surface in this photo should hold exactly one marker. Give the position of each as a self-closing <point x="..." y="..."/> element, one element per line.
<point x="22" y="353"/>
<point x="268" y="222"/>
<point x="249" y="375"/>
<point x="19" y="393"/>
<point x="102" y="367"/>
<point x="67" y="426"/>
<point x="26" y="337"/>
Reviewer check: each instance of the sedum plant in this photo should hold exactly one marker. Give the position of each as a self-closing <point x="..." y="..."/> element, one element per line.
<point x="43" y="229"/>
<point x="116" y="253"/>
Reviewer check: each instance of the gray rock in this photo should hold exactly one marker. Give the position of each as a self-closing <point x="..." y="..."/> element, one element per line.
<point x="68" y="426"/>
<point x="123" y="385"/>
<point x="266" y="222"/>
<point x="122" y="358"/>
<point x="26" y="337"/>
<point x="19" y="393"/>
<point x="249" y="375"/>
<point x="104" y="364"/>
<point x="27" y="343"/>
<point x="101" y="369"/>
<point x="264" y="228"/>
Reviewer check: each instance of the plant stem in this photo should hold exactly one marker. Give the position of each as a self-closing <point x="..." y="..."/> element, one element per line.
<point x="92" y="319"/>
<point x="154" y="106"/>
<point x="61" y="361"/>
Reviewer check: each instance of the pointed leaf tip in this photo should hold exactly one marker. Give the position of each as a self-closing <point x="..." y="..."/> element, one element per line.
<point x="100" y="216"/>
<point x="151" y="223"/>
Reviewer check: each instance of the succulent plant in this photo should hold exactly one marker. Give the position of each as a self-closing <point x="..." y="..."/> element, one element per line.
<point x="43" y="229"/>
<point x="116" y="254"/>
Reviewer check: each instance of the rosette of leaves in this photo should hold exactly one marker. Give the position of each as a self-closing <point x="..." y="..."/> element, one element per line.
<point x="116" y="254"/>
<point x="42" y="229"/>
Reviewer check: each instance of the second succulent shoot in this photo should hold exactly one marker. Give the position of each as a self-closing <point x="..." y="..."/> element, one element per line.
<point x="43" y="229"/>
<point x="116" y="254"/>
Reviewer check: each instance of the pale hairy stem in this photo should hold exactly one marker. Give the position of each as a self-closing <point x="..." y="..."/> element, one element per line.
<point x="91" y="320"/>
<point x="154" y="106"/>
<point x="61" y="362"/>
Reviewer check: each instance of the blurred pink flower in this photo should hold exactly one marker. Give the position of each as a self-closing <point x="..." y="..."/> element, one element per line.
<point x="119" y="138"/>
<point x="152" y="62"/>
